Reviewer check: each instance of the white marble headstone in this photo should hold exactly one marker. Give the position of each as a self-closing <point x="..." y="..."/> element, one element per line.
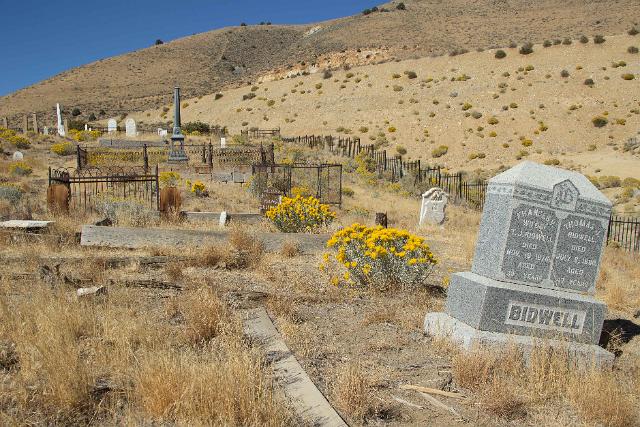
<point x="112" y="125"/>
<point x="45" y="130"/>
<point x="17" y="156"/>
<point x="130" y="127"/>
<point x="223" y="142"/>
<point x="434" y="203"/>
<point x="61" y="130"/>
<point x="223" y="218"/>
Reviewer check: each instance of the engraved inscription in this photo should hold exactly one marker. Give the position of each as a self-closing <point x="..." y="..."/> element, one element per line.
<point x="532" y="233"/>
<point x="544" y="317"/>
<point x="577" y="255"/>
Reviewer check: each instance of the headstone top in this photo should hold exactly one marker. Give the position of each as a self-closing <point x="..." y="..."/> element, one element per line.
<point x="130" y="127"/>
<point x="18" y="156"/>
<point x="112" y="125"/>
<point x="535" y="175"/>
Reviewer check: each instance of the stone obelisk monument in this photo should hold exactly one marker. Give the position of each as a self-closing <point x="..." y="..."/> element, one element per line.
<point x="61" y="130"/>
<point x="176" y="152"/>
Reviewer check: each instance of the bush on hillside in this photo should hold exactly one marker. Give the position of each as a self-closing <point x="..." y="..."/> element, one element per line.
<point x="599" y="121"/>
<point x="500" y="54"/>
<point x="411" y="74"/>
<point x="63" y="148"/>
<point x="546" y="43"/>
<point x="564" y="73"/>
<point x="628" y="76"/>
<point x="633" y="31"/>
<point x="566" y="41"/>
<point x="401" y="6"/>
<point x="599" y="39"/>
<point x="632" y="49"/>
<point x="526" y="48"/>
<point x="198" y="126"/>
<point x="440" y="151"/>
<point x="76" y="112"/>
<point x="584" y="39"/>
<point x="589" y="82"/>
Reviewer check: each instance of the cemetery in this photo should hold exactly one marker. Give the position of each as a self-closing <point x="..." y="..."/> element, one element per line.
<point x="210" y="271"/>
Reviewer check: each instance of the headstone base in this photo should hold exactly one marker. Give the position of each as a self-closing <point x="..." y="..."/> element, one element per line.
<point x="494" y="306"/>
<point x="445" y="326"/>
<point x="178" y="156"/>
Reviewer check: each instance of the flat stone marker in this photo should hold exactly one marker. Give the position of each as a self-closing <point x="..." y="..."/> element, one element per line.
<point x="308" y="402"/>
<point x="18" y="224"/>
<point x="18" y="156"/>
<point x="535" y="267"/>
<point x="434" y="203"/>
<point x="130" y="127"/>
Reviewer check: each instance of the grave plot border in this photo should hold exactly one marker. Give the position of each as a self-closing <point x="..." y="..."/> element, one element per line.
<point x="128" y="183"/>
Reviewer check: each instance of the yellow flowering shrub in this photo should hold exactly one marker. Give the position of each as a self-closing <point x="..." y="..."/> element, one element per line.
<point x="199" y="189"/>
<point x="18" y="141"/>
<point x="169" y="179"/>
<point x="83" y="135"/>
<point x="301" y="191"/>
<point x="381" y="258"/>
<point x="20" y="168"/>
<point x="300" y="214"/>
<point x="62" y="148"/>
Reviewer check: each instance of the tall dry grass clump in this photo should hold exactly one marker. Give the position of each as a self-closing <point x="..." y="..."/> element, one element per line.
<point x="351" y="391"/>
<point x="229" y="387"/>
<point x="509" y="385"/>
<point x="205" y="315"/>
<point x="619" y="282"/>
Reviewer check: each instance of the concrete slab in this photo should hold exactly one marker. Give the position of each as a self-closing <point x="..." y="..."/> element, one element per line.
<point x="18" y="224"/>
<point x="137" y="238"/>
<point x="248" y="218"/>
<point x="305" y="397"/>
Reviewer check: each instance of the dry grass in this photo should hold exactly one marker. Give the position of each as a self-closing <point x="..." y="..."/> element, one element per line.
<point x="290" y="249"/>
<point x="508" y="386"/>
<point x="122" y="361"/>
<point x="619" y="283"/>
<point x="352" y="392"/>
<point x="173" y="270"/>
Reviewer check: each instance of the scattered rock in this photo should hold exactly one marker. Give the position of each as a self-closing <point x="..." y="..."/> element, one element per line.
<point x="92" y="291"/>
<point x="453" y="94"/>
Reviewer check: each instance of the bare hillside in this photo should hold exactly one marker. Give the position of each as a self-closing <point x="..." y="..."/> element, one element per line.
<point x="484" y="111"/>
<point x="211" y="61"/>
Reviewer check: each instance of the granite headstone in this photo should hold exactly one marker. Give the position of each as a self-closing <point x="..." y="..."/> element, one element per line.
<point x="536" y="262"/>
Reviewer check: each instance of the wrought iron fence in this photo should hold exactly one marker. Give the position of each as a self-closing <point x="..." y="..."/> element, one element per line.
<point x="91" y="185"/>
<point x="322" y="181"/>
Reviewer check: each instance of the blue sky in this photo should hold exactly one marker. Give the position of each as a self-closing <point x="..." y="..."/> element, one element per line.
<point x="41" y="38"/>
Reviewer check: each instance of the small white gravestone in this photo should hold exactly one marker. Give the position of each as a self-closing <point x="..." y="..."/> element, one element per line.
<point x="223" y="142"/>
<point x="130" y="127"/>
<point x="223" y="218"/>
<point x="18" y="156"/>
<point x="86" y="127"/>
<point x="112" y="126"/>
<point x="45" y="130"/>
<point x="159" y="131"/>
<point x="434" y="203"/>
<point x="163" y="132"/>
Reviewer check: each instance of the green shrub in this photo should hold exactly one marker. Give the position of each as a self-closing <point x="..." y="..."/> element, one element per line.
<point x="584" y="39"/>
<point x="566" y="41"/>
<point x="466" y="106"/>
<point x="513" y="105"/>
<point x="476" y="114"/>
<point x="411" y="74"/>
<point x="589" y="82"/>
<point x="527" y="143"/>
<point x="500" y="54"/>
<point x="632" y="31"/>
<point x="364" y="129"/>
<point x="526" y="48"/>
<point x="217" y="96"/>
<point x="599" y="121"/>
<point x="401" y="150"/>
<point x="546" y="43"/>
<point x="327" y="74"/>
<point x="440" y="151"/>
<point x="401" y="6"/>
<point x="397" y="88"/>
<point x="599" y="39"/>
<point x="198" y="126"/>
<point x="347" y="191"/>
<point x="564" y="73"/>
<point x="271" y="103"/>
<point x="609" y="182"/>
<point x="628" y="76"/>
<point x="552" y="162"/>
<point x="493" y="120"/>
<point x="632" y="49"/>
<point x="10" y="193"/>
<point x="248" y="96"/>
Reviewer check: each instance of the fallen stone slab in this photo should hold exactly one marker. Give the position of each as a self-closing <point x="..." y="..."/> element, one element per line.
<point x="26" y="225"/>
<point x="308" y="402"/>
<point x="245" y="218"/>
<point x="92" y="291"/>
<point x="137" y="238"/>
